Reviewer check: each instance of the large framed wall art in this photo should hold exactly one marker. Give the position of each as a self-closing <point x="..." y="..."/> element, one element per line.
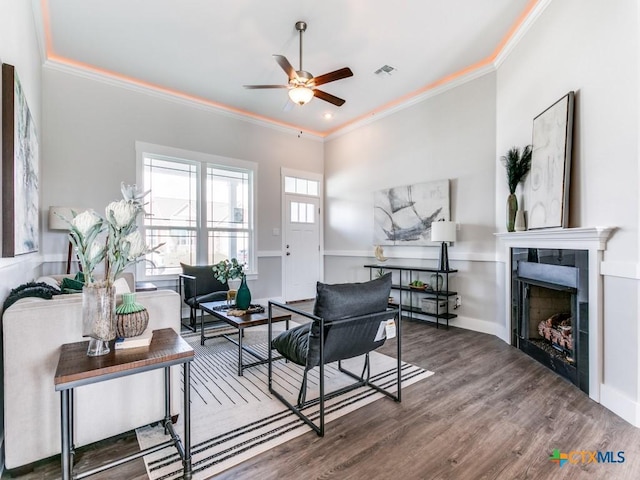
<point x="403" y="215"/>
<point x="547" y="192"/>
<point x="19" y="169"/>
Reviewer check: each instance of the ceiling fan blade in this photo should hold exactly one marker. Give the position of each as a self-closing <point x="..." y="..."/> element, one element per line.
<point x="286" y="66"/>
<point x="333" y="76"/>
<point x="327" y="97"/>
<point x="265" y="86"/>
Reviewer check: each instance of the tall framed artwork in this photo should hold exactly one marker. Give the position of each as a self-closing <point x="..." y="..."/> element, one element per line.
<point x="547" y="191"/>
<point x="19" y="169"/>
<point x="403" y="215"/>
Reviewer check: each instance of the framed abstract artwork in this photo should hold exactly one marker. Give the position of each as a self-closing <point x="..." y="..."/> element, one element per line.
<point x="403" y="215"/>
<point x="547" y="189"/>
<point x="19" y="169"/>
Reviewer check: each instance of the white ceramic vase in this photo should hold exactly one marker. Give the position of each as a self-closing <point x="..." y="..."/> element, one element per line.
<point x="520" y="225"/>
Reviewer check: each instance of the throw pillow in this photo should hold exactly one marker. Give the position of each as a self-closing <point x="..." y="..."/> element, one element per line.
<point x="121" y="286"/>
<point x="293" y="344"/>
<point x="52" y="282"/>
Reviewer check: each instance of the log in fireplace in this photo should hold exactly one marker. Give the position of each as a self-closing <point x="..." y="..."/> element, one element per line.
<point x="550" y="310"/>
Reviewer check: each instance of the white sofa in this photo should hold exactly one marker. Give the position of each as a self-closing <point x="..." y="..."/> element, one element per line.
<point x="33" y="330"/>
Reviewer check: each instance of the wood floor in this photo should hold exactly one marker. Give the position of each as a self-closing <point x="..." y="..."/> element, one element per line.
<point x="489" y="412"/>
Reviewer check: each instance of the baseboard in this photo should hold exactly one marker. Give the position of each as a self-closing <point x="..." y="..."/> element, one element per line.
<point x="477" y="325"/>
<point x="620" y="404"/>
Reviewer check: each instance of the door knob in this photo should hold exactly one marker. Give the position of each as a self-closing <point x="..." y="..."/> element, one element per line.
<point x="288" y="253"/>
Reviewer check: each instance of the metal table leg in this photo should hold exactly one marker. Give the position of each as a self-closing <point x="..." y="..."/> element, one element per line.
<point x="186" y="462"/>
<point x="202" y="337"/>
<point x="240" y="335"/>
<point x="65" y="438"/>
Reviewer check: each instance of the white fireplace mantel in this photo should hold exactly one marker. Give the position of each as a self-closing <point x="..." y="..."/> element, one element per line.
<point x="593" y="239"/>
<point x="587" y="238"/>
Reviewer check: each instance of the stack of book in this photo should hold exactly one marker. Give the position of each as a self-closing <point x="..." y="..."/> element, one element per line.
<point x="143" y="340"/>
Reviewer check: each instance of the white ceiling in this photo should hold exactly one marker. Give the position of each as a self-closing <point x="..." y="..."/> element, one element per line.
<point x="209" y="49"/>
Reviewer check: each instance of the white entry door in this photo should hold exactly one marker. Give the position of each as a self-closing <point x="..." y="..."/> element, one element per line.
<point x="302" y="247"/>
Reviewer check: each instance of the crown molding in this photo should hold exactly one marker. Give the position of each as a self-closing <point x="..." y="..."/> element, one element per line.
<point x="371" y="117"/>
<point x="490" y="67"/>
<point x="521" y="32"/>
<point x="429" y="93"/>
<point x="159" y="93"/>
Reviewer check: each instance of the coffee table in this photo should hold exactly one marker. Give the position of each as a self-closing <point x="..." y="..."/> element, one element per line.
<point x="218" y="310"/>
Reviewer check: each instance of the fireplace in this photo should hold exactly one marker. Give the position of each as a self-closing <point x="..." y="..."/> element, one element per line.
<point x="550" y="302"/>
<point x="541" y="246"/>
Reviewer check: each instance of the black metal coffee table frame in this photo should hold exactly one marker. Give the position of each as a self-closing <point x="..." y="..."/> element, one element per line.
<point x="240" y="323"/>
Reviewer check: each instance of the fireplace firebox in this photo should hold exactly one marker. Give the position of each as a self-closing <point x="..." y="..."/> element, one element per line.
<point x="550" y="310"/>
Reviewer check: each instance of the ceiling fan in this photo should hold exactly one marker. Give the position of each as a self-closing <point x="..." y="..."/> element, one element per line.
<point x="302" y="85"/>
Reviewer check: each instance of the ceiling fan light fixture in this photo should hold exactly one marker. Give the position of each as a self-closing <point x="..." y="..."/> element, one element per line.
<point x="301" y="94"/>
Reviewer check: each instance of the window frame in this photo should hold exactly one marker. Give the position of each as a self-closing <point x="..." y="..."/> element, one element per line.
<point x="201" y="161"/>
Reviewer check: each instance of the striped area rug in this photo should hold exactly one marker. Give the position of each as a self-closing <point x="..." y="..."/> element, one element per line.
<point x="234" y="418"/>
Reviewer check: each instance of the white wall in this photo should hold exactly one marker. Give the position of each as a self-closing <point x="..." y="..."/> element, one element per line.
<point x="448" y="136"/>
<point x="590" y="47"/>
<point x="18" y="47"/>
<point x="90" y="132"/>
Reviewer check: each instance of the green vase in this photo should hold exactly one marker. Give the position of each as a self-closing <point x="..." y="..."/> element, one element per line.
<point x="512" y="208"/>
<point x="129" y="304"/>
<point x="243" y="297"/>
<point x="132" y="318"/>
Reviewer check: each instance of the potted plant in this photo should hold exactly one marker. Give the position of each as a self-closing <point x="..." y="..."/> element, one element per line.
<point x="232" y="269"/>
<point x="226" y="270"/>
<point x="517" y="165"/>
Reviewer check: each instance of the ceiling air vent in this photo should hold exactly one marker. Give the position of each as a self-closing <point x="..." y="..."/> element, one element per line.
<point x="388" y="69"/>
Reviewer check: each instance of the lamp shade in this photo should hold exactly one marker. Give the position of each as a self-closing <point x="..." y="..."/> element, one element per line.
<point x="443" y="231"/>
<point x="57" y="223"/>
<point x="301" y="95"/>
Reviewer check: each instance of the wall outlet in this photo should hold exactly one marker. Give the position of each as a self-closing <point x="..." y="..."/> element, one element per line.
<point x="458" y="301"/>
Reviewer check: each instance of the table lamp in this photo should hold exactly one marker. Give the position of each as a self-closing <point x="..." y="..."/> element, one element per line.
<point x="58" y="223"/>
<point x="443" y="231"/>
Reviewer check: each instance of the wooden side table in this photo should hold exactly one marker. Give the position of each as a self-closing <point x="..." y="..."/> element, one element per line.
<point x="76" y="369"/>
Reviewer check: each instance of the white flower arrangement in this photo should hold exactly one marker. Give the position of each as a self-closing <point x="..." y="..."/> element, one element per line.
<point x="114" y="240"/>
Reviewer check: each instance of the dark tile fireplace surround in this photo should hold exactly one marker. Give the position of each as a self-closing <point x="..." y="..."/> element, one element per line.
<point x="550" y="307"/>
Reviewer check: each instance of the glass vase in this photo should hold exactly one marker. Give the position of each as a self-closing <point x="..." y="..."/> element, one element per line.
<point x="243" y="297"/>
<point x="98" y="317"/>
<point x="234" y="284"/>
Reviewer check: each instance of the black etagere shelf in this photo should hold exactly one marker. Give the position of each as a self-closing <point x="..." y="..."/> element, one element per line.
<point x="406" y="292"/>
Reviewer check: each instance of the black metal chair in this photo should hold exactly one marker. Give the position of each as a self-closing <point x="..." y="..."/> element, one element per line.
<point x="197" y="285"/>
<point x="346" y="322"/>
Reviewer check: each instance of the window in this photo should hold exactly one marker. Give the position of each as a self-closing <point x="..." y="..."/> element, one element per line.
<point x="301" y="186"/>
<point x="302" y="212"/>
<point x="200" y="206"/>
